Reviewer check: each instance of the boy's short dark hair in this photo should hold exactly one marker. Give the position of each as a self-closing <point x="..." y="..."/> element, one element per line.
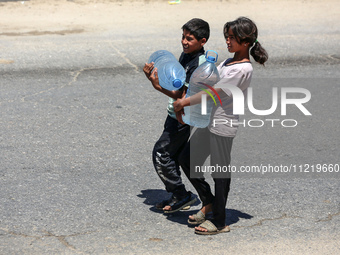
<point x="198" y="27"/>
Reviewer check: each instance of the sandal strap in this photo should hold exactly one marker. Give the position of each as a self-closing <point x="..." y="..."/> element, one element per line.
<point x="208" y="225"/>
<point x="199" y="216"/>
<point x="164" y="203"/>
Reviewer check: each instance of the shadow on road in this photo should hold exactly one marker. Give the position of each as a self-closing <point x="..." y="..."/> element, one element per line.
<point x="153" y="196"/>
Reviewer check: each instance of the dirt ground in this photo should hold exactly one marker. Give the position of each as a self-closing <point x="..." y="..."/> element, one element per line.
<point x="39" y="17"/>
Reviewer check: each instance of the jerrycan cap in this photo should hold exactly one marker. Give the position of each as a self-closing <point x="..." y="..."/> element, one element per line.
<point x="211" y="59"/>
<point x="177" y="83"/>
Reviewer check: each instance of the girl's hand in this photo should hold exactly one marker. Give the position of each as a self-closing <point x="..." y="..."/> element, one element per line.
<point x="178" y="105"/>
<point x="152" y="75"/>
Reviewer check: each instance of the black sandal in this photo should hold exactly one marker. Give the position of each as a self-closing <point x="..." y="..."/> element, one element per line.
<point x="164" y="203"/>
<point x="177" y="205"/>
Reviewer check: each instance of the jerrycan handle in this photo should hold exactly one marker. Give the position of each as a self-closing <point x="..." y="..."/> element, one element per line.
<point x="211" y="59"/>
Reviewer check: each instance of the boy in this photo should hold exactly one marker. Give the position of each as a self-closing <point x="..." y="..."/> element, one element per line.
<point x="175" y="135"/>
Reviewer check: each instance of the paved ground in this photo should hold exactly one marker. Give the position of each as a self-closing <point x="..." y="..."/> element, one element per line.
<point x="79" y="120"/>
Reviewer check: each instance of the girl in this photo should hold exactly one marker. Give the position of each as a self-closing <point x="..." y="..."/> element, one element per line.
<point x="216" y="140"/>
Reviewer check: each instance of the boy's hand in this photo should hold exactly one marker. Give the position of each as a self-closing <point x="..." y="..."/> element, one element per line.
<point x="148" y="69"/>
<point x="152" y="75"/>
<point x="178" y="108"/>
<point x="179" y="116"/>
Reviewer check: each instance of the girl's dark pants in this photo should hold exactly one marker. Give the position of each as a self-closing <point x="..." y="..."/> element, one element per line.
<point x="202" y="144"/>
<point x="165" y="155"/>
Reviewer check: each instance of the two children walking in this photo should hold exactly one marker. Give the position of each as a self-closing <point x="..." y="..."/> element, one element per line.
<point x="215" y="140"/>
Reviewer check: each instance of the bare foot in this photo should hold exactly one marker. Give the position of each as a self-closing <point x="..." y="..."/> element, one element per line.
<point x="219" y="230"/>
<point x="167" y="208"/>
<point x="205" y="209"/>
<point x="201" y="229"/>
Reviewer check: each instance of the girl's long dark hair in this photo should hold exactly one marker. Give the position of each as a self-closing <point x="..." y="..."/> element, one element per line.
<point x="245" y="30"/>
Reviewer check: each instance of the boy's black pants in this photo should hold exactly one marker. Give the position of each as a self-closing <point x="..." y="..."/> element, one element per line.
<point x="165" y="155"/>
<point x="201" y="145"/>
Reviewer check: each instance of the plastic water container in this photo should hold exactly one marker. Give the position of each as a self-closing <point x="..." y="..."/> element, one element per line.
<point x="204" y="76"/>
<point x="171" y="73"/>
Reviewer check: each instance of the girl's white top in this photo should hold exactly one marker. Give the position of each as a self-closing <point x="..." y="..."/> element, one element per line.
<point x="223" y="122"/>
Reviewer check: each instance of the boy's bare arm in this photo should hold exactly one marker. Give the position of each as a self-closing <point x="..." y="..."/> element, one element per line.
<point x="152" y="75"/>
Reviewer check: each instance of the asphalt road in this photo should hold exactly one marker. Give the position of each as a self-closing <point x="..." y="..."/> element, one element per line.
<point x="78" y="123"/>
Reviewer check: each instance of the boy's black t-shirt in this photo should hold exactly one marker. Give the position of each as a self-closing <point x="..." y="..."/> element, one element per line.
<point x="190" y="62"/>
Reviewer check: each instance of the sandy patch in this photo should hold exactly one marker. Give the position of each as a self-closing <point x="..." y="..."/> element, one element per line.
<point x="39" y="17"/>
